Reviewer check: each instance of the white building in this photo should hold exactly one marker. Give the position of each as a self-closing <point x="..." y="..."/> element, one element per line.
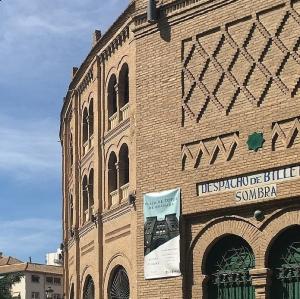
<point x="54" y="258"/>
<point x="36" y="280"/>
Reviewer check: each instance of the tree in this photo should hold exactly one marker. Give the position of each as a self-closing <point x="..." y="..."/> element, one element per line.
<point x="6" y="282"/>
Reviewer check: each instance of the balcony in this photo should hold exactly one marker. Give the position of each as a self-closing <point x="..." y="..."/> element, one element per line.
<point x="125" y="111"/>
<point x="114" y="197"/>
<point x="113" y="120"/>
<point x="125" y="191"/>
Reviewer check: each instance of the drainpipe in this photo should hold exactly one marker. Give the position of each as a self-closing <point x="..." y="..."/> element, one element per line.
<point x="151" y="11"/>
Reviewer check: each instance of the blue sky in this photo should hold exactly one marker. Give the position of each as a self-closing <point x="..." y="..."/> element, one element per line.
<point x="40" y="42"/>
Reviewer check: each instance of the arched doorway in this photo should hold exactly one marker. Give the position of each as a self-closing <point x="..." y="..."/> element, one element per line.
<point x="89" y="288"/>
<point x="284" y="261"/>
<point x="227" y="265"/>
<point x="119" y="287"/>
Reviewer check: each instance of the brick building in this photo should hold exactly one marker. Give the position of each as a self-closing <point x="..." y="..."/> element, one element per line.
<point x="205" y="97"/>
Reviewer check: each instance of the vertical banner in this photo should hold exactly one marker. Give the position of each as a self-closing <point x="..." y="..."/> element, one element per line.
<point x="161" y="234"/>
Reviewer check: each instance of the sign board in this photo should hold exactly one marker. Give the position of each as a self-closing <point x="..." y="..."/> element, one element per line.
<point x="161" y="234"/>
<point x="251" y="187"/>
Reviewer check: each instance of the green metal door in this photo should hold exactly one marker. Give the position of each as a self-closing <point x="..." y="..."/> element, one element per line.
<point x="285" y="265"/>
<point x="228" y="267"/>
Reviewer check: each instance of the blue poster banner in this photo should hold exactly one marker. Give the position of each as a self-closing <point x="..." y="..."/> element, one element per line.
<point x="161" y="234"/>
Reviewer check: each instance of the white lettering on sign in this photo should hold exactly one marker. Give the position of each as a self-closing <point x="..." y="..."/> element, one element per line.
<point x="249" y="187"/>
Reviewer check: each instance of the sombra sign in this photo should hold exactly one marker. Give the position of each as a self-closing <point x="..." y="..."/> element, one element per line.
<point x="251" y="187"/>
<point x="161" y="234"/>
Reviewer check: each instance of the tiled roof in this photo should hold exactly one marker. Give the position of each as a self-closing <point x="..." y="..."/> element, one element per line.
<point x="31" y="267"/>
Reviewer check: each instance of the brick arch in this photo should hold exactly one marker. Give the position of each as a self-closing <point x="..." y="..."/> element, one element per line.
<point x="88" y="270"/>
<point x="285" y="219"/>
<point x="112" y="71"/>
<point x="123" y="60"/>
<point x="217" y="229"/>
<point x="119" y="259"/>
<point x="112" y="148"/>
<point x="90" y="97"/>
<point x="124" y="140"/>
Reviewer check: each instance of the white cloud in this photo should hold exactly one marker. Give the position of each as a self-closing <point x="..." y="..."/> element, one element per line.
<point x="29" y="237"/>
<point x="29" y="149"/>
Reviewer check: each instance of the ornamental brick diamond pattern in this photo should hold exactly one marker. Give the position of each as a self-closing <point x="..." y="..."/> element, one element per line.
<point x="220" y="68"/>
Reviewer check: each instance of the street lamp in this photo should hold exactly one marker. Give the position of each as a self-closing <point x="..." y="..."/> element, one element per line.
<point x="49" y="293"/>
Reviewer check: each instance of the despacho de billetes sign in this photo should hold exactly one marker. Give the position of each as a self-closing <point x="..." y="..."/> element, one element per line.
<point x="251" y="187"/>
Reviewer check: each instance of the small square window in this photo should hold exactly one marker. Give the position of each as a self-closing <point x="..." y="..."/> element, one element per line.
<point x="35" y="278"/>
<point x="57" y="280"/>
<point x="35" y="295"/>
<point x="49" y="279"/>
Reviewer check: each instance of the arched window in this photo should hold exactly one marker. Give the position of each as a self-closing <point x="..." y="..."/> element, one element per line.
<point x="124" y="92"/>
<point x="91" y="188"/>
<point x="72" y="295"/>
<point x="112" y="96"/>
<point x="91" y="118"/>
<point x="119" y="287"/>
<point x="85" y="197"/>
<point x="113" y="179"/>
<point x="89" y="288"/>
<point x="284" y="262"/>
<point x="71" y="150"/>
<point x="124" y="171"/>
<point x="85" y="128"/>
<point x="71" y="211"/>
<point x="227" y="265"/>
<point x="124" y="165"/>
<point x="124" y="85"/>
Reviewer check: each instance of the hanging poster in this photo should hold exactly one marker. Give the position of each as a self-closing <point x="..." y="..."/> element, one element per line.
<point x="161" y="234"/>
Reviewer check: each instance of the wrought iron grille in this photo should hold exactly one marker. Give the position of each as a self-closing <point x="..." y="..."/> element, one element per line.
<point x="229" y="265"/>
<point x="89" y="289"/>
<point x="286" y="280"/>
<point x="119" y="287"/>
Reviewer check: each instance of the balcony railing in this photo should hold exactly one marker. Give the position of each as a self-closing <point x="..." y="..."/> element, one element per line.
<point x="125" y="111"/>
<point x="113" y="120"/>
<point x="85" y="147"/>
<point x="86" y="216"/>
<point x="114" y="196"/>
<point x="125" y="191"/>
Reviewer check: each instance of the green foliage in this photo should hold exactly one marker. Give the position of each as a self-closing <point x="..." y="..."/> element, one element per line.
<point x="6" y="282"/>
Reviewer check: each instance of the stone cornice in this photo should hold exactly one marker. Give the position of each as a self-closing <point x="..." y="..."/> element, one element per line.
<point x="117" y="130"/>
<point x="106" y="44"/>
<point x="86" y="228"/>
<point x="116" y="212"/>
<point x="175" y="12"/>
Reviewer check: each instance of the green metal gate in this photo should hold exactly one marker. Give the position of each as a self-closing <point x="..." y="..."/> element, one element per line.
<point x="285" y="265"/>
<point x="228" y="267"/>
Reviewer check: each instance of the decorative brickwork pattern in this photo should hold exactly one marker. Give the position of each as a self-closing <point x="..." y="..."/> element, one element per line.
<point x="207" y="152"/>
<point x="285" y="134"/>
<point x="242" y="61"/>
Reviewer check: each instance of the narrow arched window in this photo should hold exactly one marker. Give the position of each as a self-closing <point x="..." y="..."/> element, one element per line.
<point x="124" y="92"/>
<point x="72" y="295"/>
<point x="124" y="171"/>
<point x="91" y="188"/>
<point x="112" y="96"/>
<point x="71" y="211"/>
<point x="124" y="85"/>
<point x="113" y="179"/>
<point x="71" y="150"/>
<point x="91" y="118"/>
<point x="85" y="198"/>
<point x="85" y="128"/>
